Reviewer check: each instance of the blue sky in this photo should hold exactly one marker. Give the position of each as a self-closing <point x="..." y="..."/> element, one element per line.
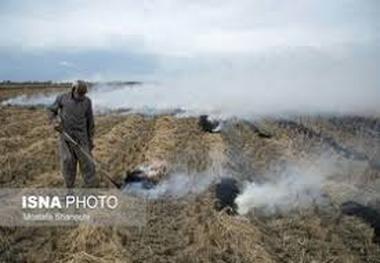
<point x="103" y="40"/>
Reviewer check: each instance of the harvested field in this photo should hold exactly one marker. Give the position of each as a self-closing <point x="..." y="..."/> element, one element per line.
<point x="190" y="229"/>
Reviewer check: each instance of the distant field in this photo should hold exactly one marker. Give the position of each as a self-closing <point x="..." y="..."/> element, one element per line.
<point x="8" y="90"/>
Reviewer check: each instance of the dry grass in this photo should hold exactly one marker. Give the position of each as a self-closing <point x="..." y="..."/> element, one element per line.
<point x="216" y="237"/>
<point x="93" y="244"/>
<point x="184" y="230"/>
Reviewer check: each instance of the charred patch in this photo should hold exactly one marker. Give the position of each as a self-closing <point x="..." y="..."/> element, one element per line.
<point x="138" y="176"/>
<point x="226" y="192"/>
<point x="208" y="125"/>
<point x="367" y="214"/>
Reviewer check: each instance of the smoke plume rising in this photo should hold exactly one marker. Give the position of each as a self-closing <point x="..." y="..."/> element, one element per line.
<point x="175" y="186"/>
<point x="296" y="187"/>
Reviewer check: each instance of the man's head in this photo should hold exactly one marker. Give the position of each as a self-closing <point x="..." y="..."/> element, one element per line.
<point x="79" y="89"/>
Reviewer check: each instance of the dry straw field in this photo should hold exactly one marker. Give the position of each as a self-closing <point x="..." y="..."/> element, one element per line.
<point x="190" y="229"/>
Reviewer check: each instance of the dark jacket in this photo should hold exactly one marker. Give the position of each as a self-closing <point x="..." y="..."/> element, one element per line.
<point x="76" y="117"/>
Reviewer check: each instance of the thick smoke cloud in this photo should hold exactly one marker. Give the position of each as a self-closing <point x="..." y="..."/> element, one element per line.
<point x="300" y="81"/>
<point x="245" y="58"/>
<point x="298" y="186"/>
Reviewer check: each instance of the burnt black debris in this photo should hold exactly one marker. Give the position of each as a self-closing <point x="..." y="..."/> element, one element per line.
<point x="208" y="125"/>
<point x="367" y="214"/>
<point x="138" y="176"/>
<point x="226" y="192"/>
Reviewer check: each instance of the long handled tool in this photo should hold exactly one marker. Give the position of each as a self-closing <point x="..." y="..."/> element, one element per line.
<point x="89" y="157"/>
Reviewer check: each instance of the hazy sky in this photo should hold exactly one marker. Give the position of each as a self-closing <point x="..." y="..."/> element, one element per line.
<point x="250" y="55"/>
<point x="98" y="39"/>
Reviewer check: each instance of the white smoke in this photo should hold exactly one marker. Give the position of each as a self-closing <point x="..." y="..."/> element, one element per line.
<point x="296" y="187"/>
<point x="174" y="186"/>
<point x="180" y="184"/>
<point x="35" y="100"/>
<point x="240" y="96"/>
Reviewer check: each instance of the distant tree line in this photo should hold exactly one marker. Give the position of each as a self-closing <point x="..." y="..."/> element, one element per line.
<point x="8" y="84"/>
<point x="29" y="82"/>
<point x="50" y="82"/>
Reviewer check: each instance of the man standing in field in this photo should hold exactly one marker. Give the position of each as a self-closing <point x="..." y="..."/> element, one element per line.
<point x="71" y="114"/>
